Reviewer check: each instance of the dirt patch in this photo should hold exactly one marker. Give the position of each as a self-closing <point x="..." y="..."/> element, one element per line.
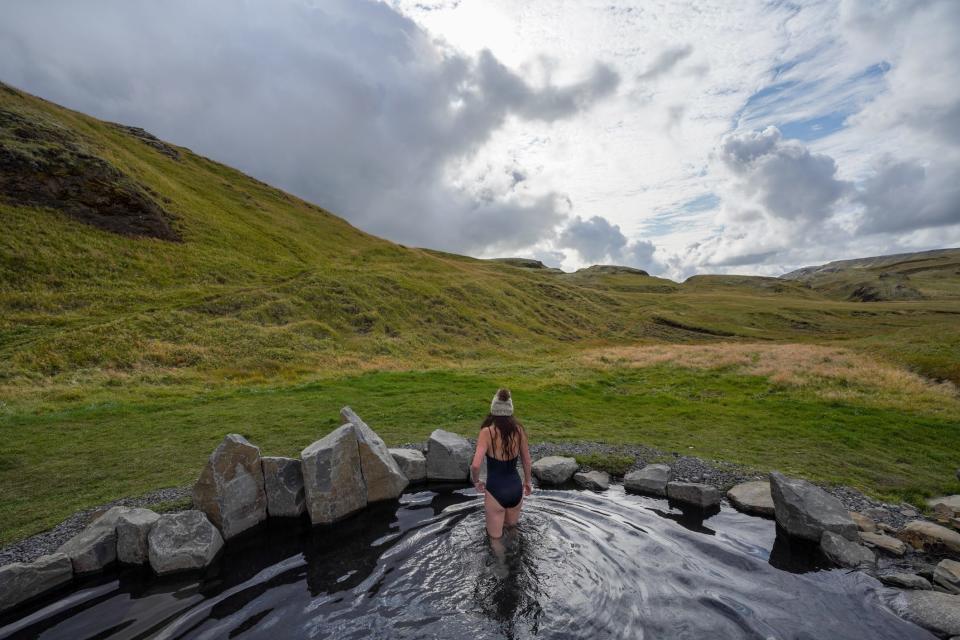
<point x="45" y="165"/>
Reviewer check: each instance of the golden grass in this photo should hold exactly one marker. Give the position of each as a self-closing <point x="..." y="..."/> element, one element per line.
<point x="796" y="365"/>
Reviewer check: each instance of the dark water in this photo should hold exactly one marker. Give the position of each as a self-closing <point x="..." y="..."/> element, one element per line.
<point x="581" y="565"/>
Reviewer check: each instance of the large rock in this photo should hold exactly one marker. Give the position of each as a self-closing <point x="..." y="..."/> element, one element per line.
<point x="805" y="511"/>
<point x="554" y="469"/>
<point x="21" y="581"/>
<point x="951" y="504"/>
<point x="752" y="497"/>
<point x="182" y="542"/>
<point x="448" y="456"/>
<point x="928" y="536"/>
<point x="845" y="553"/>
<point x="95" y="548"/>
<point x="230" y="489"/>
<point x="412" y="463"/>
<point x="938" y="612"/>
<point x="704" y="496"/>
<point x="283" y="483"/>
<point x="381" y="473"/>
<point x="906" y="581"/>
<point x="887" y="543"/>
<point x="332" y="478"/>
<point x="947" y="575"/>
<point x="594" y="480"/>
<point x="133" y="527"/>
<point x="652" y="480"/>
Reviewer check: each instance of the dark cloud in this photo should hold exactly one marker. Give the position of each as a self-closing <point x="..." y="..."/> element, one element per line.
<point x="665" y="61"/>
<point x="903" y="195"/>
<point x="790" y="182"/>
<point x="598" y="241"/>
<point x="346" y="103"/>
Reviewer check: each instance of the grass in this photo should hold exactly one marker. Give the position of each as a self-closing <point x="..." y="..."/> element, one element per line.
<point x="123" y="360"/>
<point x="616" y="464"/>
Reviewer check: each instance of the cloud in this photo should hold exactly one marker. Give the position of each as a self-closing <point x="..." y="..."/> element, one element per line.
<point x="665" y="61"/>
<point x="903" y="195"/>
<point x="346" y="103"/>
<point x="783" y="177"/>
<point x="598" y="241"/>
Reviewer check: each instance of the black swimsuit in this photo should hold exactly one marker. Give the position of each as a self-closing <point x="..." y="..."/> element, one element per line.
<point x="503" y="481"/>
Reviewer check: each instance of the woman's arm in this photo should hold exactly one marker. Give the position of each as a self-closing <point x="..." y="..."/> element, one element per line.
<point x="478" y="459"/>
<point x="525" y="461"/>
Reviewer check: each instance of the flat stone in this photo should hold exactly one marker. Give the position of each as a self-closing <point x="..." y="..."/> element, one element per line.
<point x="651" y="480"/>
<point x="412" y="463"/>
<point x="283" y="483"/>
<point x="332" y="479"/>
<point x="805" y="510"/>
<point x="752" y="497"/>
<point x="21" y="581"/>
<point x="883" y="527"/>
<point x="881" y="541"/>
<point x="381" y="473"/>
<point x="695" y="494"/>
<point x="448" y="457"/>
<point x="929" y="536"/>
<point x="594" y="480"/>
<point x="230" y="489"/>
<point x="876" y="513"/>
<point x="906" y="581"/>
<point x="938" y="612"/>
<point x="554" y="469"/>
<point x="950" y="502"/>
<point x="183" y="542"/>
<point x="947" y="575"/>
<point x="863" y="522"/>
<point x="844" y="553"/>
<point x="95" y="547"/>
<point x="133" y="527"/>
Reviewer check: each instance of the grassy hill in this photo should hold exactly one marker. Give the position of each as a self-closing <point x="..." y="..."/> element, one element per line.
<point x="152" y="300"/>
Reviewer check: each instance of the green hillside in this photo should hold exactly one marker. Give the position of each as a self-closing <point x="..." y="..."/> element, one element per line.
<point x="152" y="300"/>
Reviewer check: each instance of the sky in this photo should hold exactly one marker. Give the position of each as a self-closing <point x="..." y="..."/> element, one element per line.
<point x="677" y="136"/>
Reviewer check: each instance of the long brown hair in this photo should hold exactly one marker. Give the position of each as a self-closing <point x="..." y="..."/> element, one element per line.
<point x="508" y="428"/>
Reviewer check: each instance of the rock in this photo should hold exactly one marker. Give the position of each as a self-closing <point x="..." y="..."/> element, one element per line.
<point x="694" y="494"/>
<point x="844" y="553"/>
<point x="806" y="511"/>
<point x="947" y="576"/>
<point x="883" y="527"/>
<point x="752" y="497"/>
<point x="183" y="541"/>
<point x="928" y="536"/>
<point x="951" y="503"/>
<point x="909" y="512"/>
<point x="230" y="489"/>
<point x="876" y="513"/>
<point x="381" y="473"/>
<point x="95" y="547"/>
<point x="652" y="479"/>
<point x="448" y="456"/>
<point x="863" y="522"/>
<point x="888" y="544"/>
<point x="332" y="479"/>
<point x="283" y="484"/>
<point x="412" y="463"/>
<point x="942" y="513"/>
<point x="21" y="581"/>
<point x="938" y="612"/>
<point x="905" y="581"/>
<point x="133" y="527"/>
<point x="554" y="469"/>
<point x="594" y="480"/>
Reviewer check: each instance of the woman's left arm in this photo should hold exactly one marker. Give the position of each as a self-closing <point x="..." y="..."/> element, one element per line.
<point x="527" y="464"/>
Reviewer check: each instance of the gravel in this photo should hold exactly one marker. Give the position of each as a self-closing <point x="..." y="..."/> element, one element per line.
<point x="49" y="541"/>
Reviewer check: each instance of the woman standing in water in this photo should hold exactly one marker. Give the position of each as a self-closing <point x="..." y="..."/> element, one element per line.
<point x="502" y="440"/>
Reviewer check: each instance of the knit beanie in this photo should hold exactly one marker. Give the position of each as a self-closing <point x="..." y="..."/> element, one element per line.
<point x="500" y="407"/>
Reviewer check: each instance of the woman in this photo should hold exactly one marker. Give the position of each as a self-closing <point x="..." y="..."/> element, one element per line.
<point x="502" y="440"/>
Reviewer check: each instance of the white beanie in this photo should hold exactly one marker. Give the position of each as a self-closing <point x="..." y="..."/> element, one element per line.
<point x="500" y="407"/>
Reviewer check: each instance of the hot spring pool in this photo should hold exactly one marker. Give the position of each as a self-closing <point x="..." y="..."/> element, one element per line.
<point x="581" y="565"/>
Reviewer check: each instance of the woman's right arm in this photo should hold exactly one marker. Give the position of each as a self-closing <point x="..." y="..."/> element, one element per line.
<point x="478" y="460"/>
<point x="526" y="462"/>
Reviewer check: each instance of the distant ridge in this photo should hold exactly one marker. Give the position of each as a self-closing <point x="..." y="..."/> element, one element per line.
<point x="867" y="263"/>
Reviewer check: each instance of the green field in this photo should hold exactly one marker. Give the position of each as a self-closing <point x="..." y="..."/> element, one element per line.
<point x="123" y="360"/>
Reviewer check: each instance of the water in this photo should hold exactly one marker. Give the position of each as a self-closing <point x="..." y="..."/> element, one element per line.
<point x="581" y="565"/>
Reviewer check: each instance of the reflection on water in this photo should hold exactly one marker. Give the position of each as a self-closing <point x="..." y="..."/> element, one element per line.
<point x="580" y="565"/>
